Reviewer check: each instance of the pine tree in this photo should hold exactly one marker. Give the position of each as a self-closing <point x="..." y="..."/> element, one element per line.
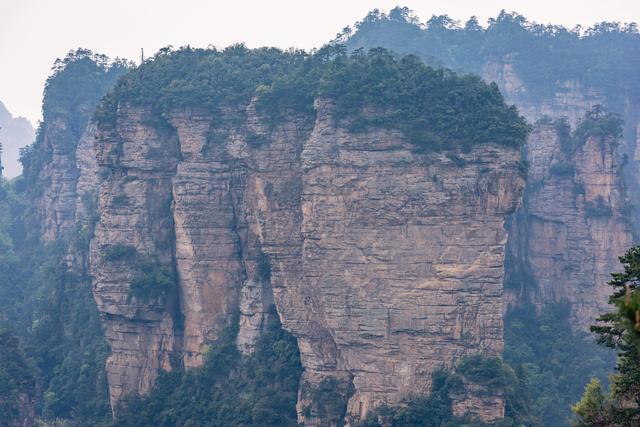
<point x="619" y="329"/>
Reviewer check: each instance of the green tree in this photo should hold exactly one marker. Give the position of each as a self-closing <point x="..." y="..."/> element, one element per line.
<point x="592" y="407"/>
<point x="618" y="329"/>
<point x="17" y="378"/>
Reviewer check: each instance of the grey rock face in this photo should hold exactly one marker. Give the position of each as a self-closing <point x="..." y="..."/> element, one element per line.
<point x="572" y="226"/>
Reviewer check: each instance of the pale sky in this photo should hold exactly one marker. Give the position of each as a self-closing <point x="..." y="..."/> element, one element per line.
<point x="33" y="33"/>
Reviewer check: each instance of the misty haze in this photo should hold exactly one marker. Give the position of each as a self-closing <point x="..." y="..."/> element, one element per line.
<point x="356" y="214"/>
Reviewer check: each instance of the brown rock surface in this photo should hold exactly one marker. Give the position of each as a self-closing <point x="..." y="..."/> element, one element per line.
<point x="134" y="206"/>
<point x="385" y="264"/>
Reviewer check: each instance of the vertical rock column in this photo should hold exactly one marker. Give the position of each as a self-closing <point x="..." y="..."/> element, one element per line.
<point x="572" y="226"/>
<point x="140" y="155"/>
<point x="208" y="249"/>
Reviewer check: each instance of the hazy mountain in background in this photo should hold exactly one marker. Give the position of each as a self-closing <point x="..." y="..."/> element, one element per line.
<point x="15" y="133"/>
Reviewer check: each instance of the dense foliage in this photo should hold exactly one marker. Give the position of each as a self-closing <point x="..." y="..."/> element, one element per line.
<point x="598" y="123"/>
<point x="552" y="363"/>
<point x="619" y="329"/>
<point x="228" y="390"/>
<point x="605" y="57"/>
<point x="17" y="377"/>
<point x="435" y="409"/>
<point x="433" y="108"/>
<point x="53" y="313"/>
<point x="77" y="84"/>
<point x="51" y="308"/>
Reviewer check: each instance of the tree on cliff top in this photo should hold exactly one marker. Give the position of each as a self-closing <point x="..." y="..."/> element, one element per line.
<point x="434" y="108"/>
<point x="605" y="57"/>
<point x="77" y="83"/>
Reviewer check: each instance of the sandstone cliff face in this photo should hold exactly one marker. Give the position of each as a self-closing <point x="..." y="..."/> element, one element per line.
<point x="67" y="174"/>
<point x="572" y="226"/>
<point x="385" y="264"/>
<point x="135" y="202"/>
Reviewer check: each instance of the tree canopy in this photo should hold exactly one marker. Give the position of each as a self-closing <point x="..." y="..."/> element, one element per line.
<point x="618" y="329"/>
<point x="434" y="108"/>
<point x="604" y="57"/>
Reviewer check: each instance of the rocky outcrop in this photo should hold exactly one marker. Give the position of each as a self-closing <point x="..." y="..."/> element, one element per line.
<point x="58" y="200"/>
<point x="66" y="174"/>
<point x="384" y="263"/>
<point x="487" y="405"/>
<point x="134" y="205"/>
<point x="572" y="226"/>
<point x="392" y="260"/>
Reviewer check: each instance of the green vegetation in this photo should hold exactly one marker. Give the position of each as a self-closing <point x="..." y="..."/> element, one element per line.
<point x="197" y="78"/>
<point x="120" y="201"/>
<point x="263" y="268"/>
<point x="50" y="308"/>
<point x="563" y="169"/>
<point x="152" y="280"/>
<point x="118" y="252"/>
<point x="435" y="410"/>
<point x="551" y="362"/>
<point x="435" y="109"/>
<point x="597" y="208"/>
<point x="605" y="57"/>
<point x="490" y="372"/>
<point x="54" y="316"/>
<point x="620" y="330"/>
<point x="328" y="400"/>
<point x="229" y="390"/>
<point x="601" y="124"/>
<point x="17" y="377"/>
<point x="77" y="84"/>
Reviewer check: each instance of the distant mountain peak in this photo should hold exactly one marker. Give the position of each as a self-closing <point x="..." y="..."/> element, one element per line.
<point x="15" y="133"/>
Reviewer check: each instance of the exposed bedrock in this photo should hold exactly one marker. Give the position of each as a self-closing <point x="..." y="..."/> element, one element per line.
<point x="384" y="263"/>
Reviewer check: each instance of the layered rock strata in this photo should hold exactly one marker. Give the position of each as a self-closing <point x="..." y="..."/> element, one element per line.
<point x="573" y="224"/>
<point x="384" y="263"/>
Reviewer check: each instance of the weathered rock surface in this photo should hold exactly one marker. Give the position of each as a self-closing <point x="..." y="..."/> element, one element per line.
<point x="135" y="202"/>
<point x="385" y="264"/>
<point x="571" y="101"/>
<point x="487" y="405"/>
<point x="572" y="226"/>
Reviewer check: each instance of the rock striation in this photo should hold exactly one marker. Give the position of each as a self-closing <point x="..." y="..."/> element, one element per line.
<point x="572" y="225"/>
<point x="385" y="264"/>
<point x="575" y="219"/>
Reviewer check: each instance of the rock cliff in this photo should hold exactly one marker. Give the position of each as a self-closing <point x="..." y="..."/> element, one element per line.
<point x="573" y="223"/>
<point x="545" y="72"/>
<point x="384" y="263"/>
